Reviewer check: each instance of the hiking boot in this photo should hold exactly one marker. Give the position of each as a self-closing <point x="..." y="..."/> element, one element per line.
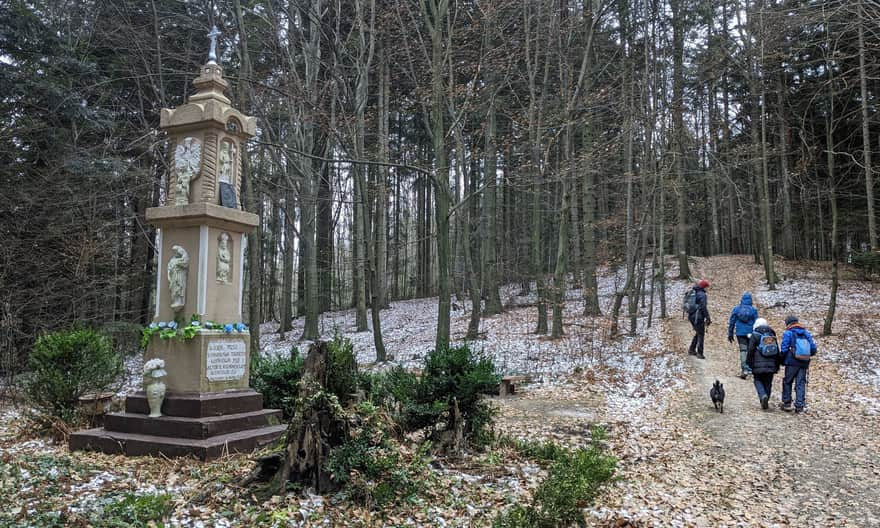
<point x="743" y="375"/>
<point x="785" y="406"/>
<point x="701" y="356"/>
<point x="692" y="352"/>
<point x="765" y="402"/>
<point x="800" y="410"/>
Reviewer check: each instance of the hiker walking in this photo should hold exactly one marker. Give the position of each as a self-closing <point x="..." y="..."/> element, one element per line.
<point x="742" y="320"/>
<point x="698" y="315"/>
<point x="797" y="348"/>
<point x="763" y="358"/>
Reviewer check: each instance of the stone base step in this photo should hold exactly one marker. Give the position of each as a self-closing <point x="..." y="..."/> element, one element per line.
<point x="199" y="405"/>
<point x="186" y="427"/>
<point x="134" y="444"/>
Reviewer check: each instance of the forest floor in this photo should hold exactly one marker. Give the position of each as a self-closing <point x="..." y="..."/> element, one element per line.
<point x="681" y="462"/>
<point x="747" y="466"/>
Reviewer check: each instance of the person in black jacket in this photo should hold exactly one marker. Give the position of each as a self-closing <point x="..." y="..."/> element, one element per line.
<point x="763" y="366"/>
<point x="699" y="318"/>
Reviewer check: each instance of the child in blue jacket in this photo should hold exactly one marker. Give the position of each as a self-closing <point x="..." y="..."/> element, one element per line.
<point x="797" y="349"/>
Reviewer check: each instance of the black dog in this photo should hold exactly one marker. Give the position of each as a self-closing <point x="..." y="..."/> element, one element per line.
<point x="717" y="395"/>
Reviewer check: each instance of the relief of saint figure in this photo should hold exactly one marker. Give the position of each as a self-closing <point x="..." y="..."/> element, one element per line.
<point x="227" y="161"/>
<point x="224" y="259"/>
<point x="187" y="160"/>
<point x="178" y="267"/>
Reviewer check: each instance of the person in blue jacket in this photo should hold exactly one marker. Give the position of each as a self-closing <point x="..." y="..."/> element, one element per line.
<point x="742" y="319"/>
<point x="797" y="348"/>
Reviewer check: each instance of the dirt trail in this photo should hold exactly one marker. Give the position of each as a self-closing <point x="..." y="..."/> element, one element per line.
<point x="684" y="464"/>
<point x="817" y="469"/>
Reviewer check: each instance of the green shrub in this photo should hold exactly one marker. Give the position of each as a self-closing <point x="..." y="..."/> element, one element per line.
<point x="342" y="378"/>
<point x="393" y="390"/>
<point x="66" y="365"/>
<point x="276" y="378"/>
<point x="140" y="511"/>
<point x="538" y="451"/>
<point x="572" y="482"/>
<point x="370" y="465"/>
<point x="453" y="376"/>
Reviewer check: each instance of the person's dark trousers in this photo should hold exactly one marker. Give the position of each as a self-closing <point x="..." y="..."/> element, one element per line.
<point x="796" y="374"/>
<point x="699" y="336"/>
<point x="743" y="342"/>
<point x="763" y="384"/>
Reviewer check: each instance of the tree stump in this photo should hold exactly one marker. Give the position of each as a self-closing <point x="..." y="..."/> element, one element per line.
<point x="319" y="425"/>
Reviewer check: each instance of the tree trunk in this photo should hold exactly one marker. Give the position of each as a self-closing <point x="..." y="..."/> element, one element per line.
<point x="360" y="258"/>
<point x="835" y="258"/>
<point x="285" y="313"/>
<point x="678" y="138"/>
<point x="325" y="236"/>
<point x="381" y="232"/>
<point x="591" y="285"/>
<point x="308" y="215"/>
<point x="866" y="133"/>
<point x="310" y="264"/>
<point x="434" y="15"/>
<point x="766" y="221"/>
<point x="489" y="250"/>
<point x="559" y="273"/>
<point x="788" y="245"/>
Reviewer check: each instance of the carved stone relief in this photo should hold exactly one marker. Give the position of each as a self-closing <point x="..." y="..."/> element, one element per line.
<point x="187" y="161"/>
<point x="227" y="162"/>
<point x="224" y="259"/>
<point x="178" y="268"/>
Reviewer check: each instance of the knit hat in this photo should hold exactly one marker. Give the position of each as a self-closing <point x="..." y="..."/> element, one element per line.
<point x="790" y="320"/>
<point x="703" y="283"/>
<point x="760" y="321"/>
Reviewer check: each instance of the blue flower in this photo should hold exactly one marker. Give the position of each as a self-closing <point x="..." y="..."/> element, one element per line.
<point x="172" y="325"/>
<point x="162" y="324"/>
<point x="153" y="325"/>
<point x="195" y="323"/>
<point x="228" y="328"/>
<point x="240" y="327"/>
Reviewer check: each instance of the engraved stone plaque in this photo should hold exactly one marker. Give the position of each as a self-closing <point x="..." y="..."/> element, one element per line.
<point x="227" y="195"/>
<point x="226" y="360"/>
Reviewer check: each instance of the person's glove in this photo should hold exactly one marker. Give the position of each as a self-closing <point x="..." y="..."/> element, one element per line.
<point x="730" y="339"/>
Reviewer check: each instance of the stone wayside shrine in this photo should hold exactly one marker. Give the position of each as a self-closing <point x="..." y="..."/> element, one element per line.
<point x="198" y="384"/>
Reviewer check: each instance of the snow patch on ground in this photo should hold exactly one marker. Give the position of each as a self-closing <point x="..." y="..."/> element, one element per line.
<point x="640" y="366"/>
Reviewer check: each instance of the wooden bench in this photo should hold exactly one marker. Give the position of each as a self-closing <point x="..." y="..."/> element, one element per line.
<point x="508" y="384"/>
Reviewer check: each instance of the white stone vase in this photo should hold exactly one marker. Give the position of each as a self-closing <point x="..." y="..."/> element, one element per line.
<point x="155" y="390"/>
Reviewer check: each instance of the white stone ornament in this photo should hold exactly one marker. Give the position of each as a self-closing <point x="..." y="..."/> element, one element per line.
<point x="187" y="162"/>
<point x="154" y="387"/>
<point x="178" y="267"/>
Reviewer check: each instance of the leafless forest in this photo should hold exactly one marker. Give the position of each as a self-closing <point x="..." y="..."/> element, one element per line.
<point x="435" y="148"/>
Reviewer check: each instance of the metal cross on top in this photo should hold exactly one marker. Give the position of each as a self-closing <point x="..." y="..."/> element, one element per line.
<point x="212" y="52"/>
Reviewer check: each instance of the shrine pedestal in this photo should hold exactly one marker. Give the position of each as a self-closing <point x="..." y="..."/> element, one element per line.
<point x="212" y="361"/>
<point x="204" y="425"/>
<point x="208" y="409"/>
